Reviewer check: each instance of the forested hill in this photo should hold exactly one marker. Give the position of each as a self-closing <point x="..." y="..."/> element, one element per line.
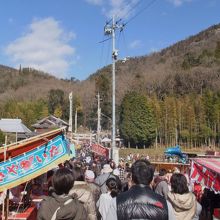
<point x="191" y="66"/>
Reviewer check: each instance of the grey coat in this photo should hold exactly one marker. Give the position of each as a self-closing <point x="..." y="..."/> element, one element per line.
<point x="101" y="181"/>
<point x="71" y="211"/>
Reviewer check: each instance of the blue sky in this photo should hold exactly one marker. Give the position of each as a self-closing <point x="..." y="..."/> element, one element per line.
<point x="62" y="36"/>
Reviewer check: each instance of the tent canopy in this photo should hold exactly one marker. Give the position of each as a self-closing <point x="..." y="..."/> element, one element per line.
<point x="106" y="140"/>
<point x="207" y="172"/>
<point x="210" y="163"/>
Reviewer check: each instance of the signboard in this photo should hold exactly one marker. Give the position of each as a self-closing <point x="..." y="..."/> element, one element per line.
<point x="33" y="163"/>
<point x="99" y="149"/>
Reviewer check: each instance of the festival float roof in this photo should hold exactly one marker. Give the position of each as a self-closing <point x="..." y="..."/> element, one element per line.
<point x="207" y="172"/>
<point x="22" y="161"/>
<point x="20" y="147"/>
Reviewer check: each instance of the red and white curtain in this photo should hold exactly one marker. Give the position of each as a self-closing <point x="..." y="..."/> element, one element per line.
<point x="206" y="171"/>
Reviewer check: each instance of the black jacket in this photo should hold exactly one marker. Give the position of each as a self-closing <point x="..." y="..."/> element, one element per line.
<point x="141" y="202"/>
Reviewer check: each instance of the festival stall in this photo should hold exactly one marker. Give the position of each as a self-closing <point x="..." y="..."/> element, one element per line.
<point x="206" y="171"/>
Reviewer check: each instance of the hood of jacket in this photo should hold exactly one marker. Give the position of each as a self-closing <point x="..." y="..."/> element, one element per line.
<point x="182" y="202"/>
<point x="68" y="207"/>
<point x="82" y="190"/>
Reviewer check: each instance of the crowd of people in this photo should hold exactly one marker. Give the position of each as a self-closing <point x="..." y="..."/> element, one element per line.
<point x="100" y="190"/>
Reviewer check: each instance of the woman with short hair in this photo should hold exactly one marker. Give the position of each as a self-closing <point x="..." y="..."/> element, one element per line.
<point x="184" y="202"/>
<point x="60" y="205"/>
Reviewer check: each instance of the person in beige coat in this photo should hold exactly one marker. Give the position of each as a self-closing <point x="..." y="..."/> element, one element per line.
<point x="184" y="203"/>
<point x="86" y="193"/>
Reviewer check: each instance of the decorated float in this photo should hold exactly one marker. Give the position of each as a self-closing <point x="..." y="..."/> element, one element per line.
<point x="24" y="161"/>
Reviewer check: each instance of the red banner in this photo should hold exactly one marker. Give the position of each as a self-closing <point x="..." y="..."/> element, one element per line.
<point x="99" y="149"/>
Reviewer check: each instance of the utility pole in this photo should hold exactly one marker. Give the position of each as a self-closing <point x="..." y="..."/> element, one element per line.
<point x="71" y="113"/>
<point x="76" y="121"/>
<point x="110" y="30"/>
<point x="99" y="118"/>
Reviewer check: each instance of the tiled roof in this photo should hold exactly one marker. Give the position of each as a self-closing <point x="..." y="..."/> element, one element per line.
<point x="50" y="121"/>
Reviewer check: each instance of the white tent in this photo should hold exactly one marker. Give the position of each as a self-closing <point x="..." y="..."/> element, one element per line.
<point x="106" y="140"/>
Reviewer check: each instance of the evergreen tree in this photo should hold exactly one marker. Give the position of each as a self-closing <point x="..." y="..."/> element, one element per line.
<point x="56" y="98"/>
<point x="137" y="124"/>
<point x="103" y="88"/>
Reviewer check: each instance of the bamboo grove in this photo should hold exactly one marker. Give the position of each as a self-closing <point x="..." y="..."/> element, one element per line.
<point x="190" y="120"/>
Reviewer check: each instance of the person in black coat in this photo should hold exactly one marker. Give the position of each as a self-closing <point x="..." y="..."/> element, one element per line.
<point x="140" y="201"/>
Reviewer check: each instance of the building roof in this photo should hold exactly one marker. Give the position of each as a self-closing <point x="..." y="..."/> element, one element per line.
<point x="13" y="126"/>
<point x="50" y="122"/>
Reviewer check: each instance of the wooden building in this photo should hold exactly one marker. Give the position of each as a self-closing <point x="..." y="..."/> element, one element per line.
<point x="49" y="123"/>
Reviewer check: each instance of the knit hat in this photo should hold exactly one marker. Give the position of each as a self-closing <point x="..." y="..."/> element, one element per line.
<point x="89" y="175"/>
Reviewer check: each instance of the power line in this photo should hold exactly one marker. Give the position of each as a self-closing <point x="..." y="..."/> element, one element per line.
<point x="124" y="40"/>
<point x="108" y="52"/>
<point x="102" y="51"/>
<point x="107" y="22"/>
<point x="132" y="8"/>
<point x="105" y="40"/>
<point x="143" y="9"/>
<point x="101" y="55"/>
<point x="118" y="39"/>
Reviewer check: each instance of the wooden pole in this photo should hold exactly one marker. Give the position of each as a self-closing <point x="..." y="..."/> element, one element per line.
<point x="5" y="205"/>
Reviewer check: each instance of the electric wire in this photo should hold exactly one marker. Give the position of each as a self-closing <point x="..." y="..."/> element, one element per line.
<point x="108" y="51"/>
<point x="125" y="42"/>
<point x="101" y="54"/>
<point x="132" y="18"/>
<point x="132" y="8"/>
<point x="107" y="22"/>
<point x="105" y="40"/>
<point x="143" y="9"/>
<point x="118" y="40"/>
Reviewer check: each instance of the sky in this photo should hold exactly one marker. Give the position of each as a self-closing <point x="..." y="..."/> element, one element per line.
<point x="65" y="37"/>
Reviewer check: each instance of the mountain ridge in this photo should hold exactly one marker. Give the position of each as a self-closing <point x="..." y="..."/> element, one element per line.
<point x="190" y="65"/>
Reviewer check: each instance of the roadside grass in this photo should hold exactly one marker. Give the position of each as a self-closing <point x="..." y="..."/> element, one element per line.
<point x="156" y="152"/>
